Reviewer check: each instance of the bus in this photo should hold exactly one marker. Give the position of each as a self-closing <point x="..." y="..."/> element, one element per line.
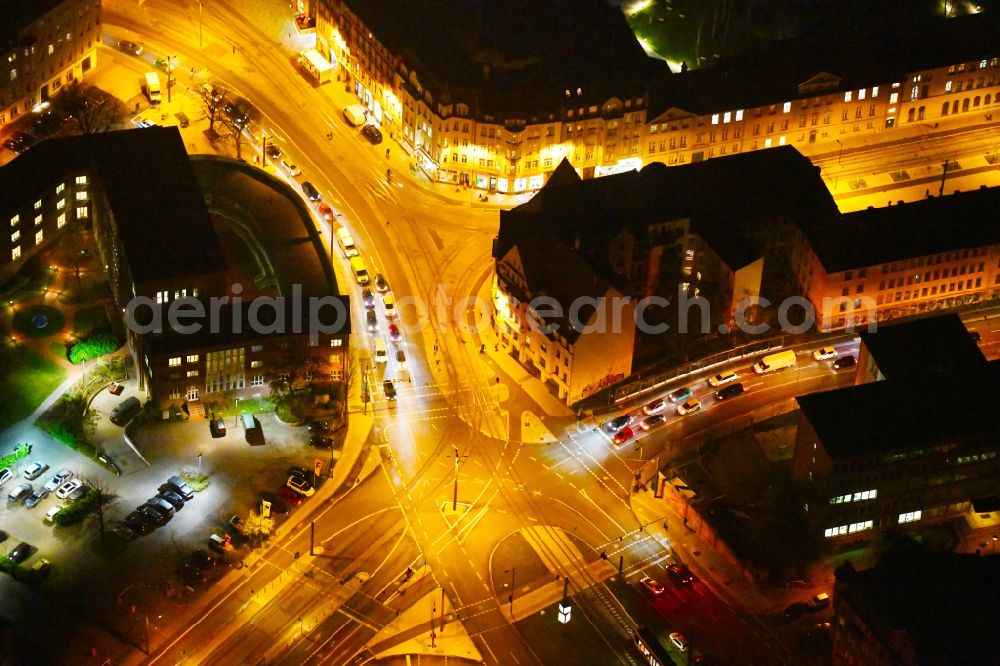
<point x="650" y="647"/>
<point x="777" y="361"/>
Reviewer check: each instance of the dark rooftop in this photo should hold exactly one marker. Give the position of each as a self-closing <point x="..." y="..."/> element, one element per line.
<point x="757" y="186"/>
<point x="940" y="397"/>
<point x="940" y="605"/>
<point x="150" y="186"/>
<point x="17" y="14"/>
<point x="918" y="229"/>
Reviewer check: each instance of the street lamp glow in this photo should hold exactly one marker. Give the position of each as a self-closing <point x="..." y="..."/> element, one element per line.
<point x="637" y="7"/>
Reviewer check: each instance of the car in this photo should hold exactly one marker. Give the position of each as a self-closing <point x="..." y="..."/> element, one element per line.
<point x="277" y="505"/>
<point x="310" y="191"/>
<point x="655" y="407"/>
<point x="381" y="284"/>
<point x="47" y="123"/>
<point x="273" y="151"/>
<point x="679" y="641"/>
<point x="143" y="122"/>
<point x="680" y="574"/>
<point x="50" y="515"/>
<point x="179" y="486"/>
<point x="845" y="362"/>
<point x="217" y="427"/>
<point x="819" y="601"/>
<point x="20" y="552"/>
<point x="390" y="306"/>
<point x="154" y="516"/>
<point x="290" y="496"/>
<point x="36" y="497"/>
<point x="291" y="168"/>
<point x="59" y="478"/>
<point x="300" y="485"/>
<point x="681" y="394"/>
<point x="321" y="442"/>
<point x="139" y="523"/>
<point x="295" y="470"/>
<point x="368" y="298"/>
<point x="3" y="536"/>
<point x="327" y="212"/>
<point x="193" y="574"/>
<point x="976" y="337"/>
<point x="819" y="629"/>
<point x="652" y="421"/>
<point x="19" y="142"/>
<point x="824" y="353"/>
<point x="617" y="423"/>
<point x="42" y="567"/>
<point x="77" y="493"/>
<point x="236" y="113"/>
<point x="173" y="498"/>
<point x="34" y="470"/>
<point x="655" y="587"/>
<point x="372" y="133"/>
<point x="130" y="47"/>
<point x="730" y="391"/>
<point x="623" y="435"/>
<point x="123" y="531"/>
<point x="372" y="320"/>
<point x="318" y="426"/>
<point x="201" y="559"/>
<point x="20" y="493"/>
<point x="5" y="475"/>
<point x="389" y="389"/>
<point x="722" y="378"/>
<point x="394" y="333"/>
<point x="688" y="406"/>
<point x="796" y="609"/>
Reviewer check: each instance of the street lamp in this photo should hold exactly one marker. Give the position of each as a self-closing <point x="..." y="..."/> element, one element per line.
<point x="263" y="163"/>
<point x="511" y="597"/>
<point x="454" y="494"/>
<point x="237" y="413"/>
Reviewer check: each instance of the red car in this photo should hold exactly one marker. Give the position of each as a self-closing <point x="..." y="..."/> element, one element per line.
<point x="326" y="211"/>
<point x="290" y="496"/>
<point x="623" y="435"/>
<point x="394" y="333"/>
<point x="680" y="574"/>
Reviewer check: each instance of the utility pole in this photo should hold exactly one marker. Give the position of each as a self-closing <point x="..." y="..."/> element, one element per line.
<point x="168" y="62"/>
<point x="944" y="175"/>
<point x="454" y="494"/>
<point x="312" y="537"/>
<point x="511" y="597"/>
<point x="263" y="162"/>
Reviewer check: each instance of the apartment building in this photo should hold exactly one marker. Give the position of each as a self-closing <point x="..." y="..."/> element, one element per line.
<point x="562" y="322"/>
<point x="160" y="244"/>
<point x="497" y="95"/>
<point x="914" y="607"/>
<point x="897" y="261"/>
<point x="910" y="445"/>
<point x="44" y="45"/>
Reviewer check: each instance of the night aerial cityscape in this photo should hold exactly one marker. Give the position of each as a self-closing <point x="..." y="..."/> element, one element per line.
<point x="507" y="332"/>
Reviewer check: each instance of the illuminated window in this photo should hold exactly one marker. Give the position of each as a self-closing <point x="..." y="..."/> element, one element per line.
<point x="60" y="204"/>
<point x="947" y="86"/>
<point x="715" y="119"/>
<point x="81" y="212"/>
<point x="767" y="142"/>
<point x="81" y="196"/>
<point x="781" y="140"/>
<point x="256" y="364"/>
<point x="910" y="517"/>
<point x="60" y="187"/>
<point x="847" y="96"/>
<point x="38" y="204"/>
<point x="15" y="254"/>
<point x="337" y="342"/>
<point x="727" y="116"/>
<point x="174" y="362"/>
<point x="14" y="220"/>
<point x="39" y="236"/>
<point x="875" y="91"/>
<point x="14" y="236"/>
<point x="256" y="348"/>
<point x="81" y="180"/>
<point x="786" y="107"/>
<point x="192" y="373"/>
<point x="864" y="495"/>
<point x="191" y="358"/>
<point x="861" y="94"/>
<point x="38" y="220"/>
<point x="257" y="380"/>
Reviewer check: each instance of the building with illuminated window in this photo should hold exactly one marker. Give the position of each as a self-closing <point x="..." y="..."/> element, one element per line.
<point x="912" y="443"/>
<point x="916" y="606"/>
<point x="44" y="45"/>
<point x="498" y="94"/>
<point x="163" y="247"/>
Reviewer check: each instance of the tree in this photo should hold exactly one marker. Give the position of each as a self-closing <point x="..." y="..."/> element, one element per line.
<point x="91" y="110"/>
<point x="256" y="527"/>
<point x="103" y="497"/>
<point x="236" y="117"/>
<point x="213" y="98"/>
<point x="93" y="348"/>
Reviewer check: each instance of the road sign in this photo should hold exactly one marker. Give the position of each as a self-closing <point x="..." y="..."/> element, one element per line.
<point x="317" y="467"/>
<point x="565" y="611"/>
<point x="265" y="508"/>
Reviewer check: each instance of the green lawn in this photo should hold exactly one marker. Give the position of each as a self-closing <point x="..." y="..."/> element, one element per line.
<point x="26" y="379"/>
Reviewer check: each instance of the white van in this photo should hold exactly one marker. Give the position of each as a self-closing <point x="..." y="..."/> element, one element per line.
<point x="347" y="242"/>
<point x="381" y="355"/>
<point x="360" y="270"/>
<point x="355" y="115"/>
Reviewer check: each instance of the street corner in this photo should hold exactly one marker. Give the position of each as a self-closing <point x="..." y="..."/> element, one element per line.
<point x="534" y="431"/>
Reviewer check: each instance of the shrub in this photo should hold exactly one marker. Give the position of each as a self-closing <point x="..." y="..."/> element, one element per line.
<point x="77" y="510"/>
<point x="20" y="451"/>
<point x="93" y="348"/>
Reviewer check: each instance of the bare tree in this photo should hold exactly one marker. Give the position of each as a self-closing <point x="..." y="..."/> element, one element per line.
<point x="213" y="98"/>
<point x="91" y="110"/>
<point x="235" y="118"/>
<point x="256" y="527"/>
<point x="106" y="498"/>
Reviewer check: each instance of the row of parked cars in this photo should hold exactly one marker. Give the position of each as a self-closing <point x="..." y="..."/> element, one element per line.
<point x="157" y="511"/>
<point x="61" y="483"/>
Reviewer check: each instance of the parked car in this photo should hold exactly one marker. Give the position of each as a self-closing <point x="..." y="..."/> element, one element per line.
<point x="290" y="496"/>
<point x="976" y="337"/>
<point x="824" y="353"/>
<point x="623" y="435"/>
<point x="617" y="423"/>
<point x="368" y="297"/>
<point x="125" y="410"/>
<point x="295" y="470"/>
<point x="730" y="391"/>
<point x="130" y="47"/>
<point x="300" y="485"/>
<point x="389" y="389"/>
<point x="41" y="567"/>
<point x="652" y="421"/>
<point x="217" y="427"/>
<point x="680" y="574"/>
<point x="394" y="333"/>
<point x="381" y="284"/>
<point x="819" y="601"/>
<point x="20" y="552"/>
<point x="654" y="586"/>
<point x="655" y="407"/>
<point x="5" y="475"/>
<point x="291" y="168"/>
<point x="50" y="515"/>
<point x="722" y="378"/>
<point x="201" y="559"/>
<point x="140" y="523"/>
<point x="372" y="133"/>
<point x="390" y="306"/>
<point x="688" y="406"/>
<point x="679" y="641"/>
<point x="179" y="486"/>
<point x="371" y="320"/>
<point x="681" y="394"/>
<point x="20" y="493"/>
<point x="174" y="498"/>
<point x="160" y="505"/>
<point x="796" y="609"/>
<point x="318" y="426"/>
<point x="123" y="531"/>
<point x="273" y="151"/>
<point x="310" y="191"/>
<point x="77" y="493"/>
<point x="156" y="517"/>
<point x="321" y="442"/>
<point x="845" y="362"/>
<point x="327" y="212"/>
<point x="59" y="478"/>
<point x="34" y="470"/>
<point x="36" y="497"/>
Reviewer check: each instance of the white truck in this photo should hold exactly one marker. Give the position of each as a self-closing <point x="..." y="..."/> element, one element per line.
<point x="153" y="87"/>
<point x="355" y="115"/>
<point x="347" y="242"/>
<point x="319" y="68"/>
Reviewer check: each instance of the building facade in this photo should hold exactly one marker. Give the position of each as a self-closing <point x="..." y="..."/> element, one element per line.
<point x="448" y="112"/>
<point x="44" y="46"/>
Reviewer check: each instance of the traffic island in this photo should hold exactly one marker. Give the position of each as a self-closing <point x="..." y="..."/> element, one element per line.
<point x="412" y="634"/>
